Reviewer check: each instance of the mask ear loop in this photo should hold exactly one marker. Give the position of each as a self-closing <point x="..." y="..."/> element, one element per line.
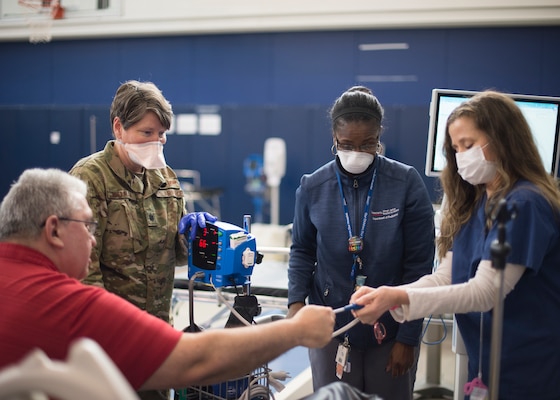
<point x="333" y="150"/>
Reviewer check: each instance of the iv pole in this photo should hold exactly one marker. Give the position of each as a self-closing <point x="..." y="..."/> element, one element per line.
<point x="499" y="251"/>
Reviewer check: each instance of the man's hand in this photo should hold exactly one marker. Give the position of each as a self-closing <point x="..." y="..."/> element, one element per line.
<point x="315" y="325"/>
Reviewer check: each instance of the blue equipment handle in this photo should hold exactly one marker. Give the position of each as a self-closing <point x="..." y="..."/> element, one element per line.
<point x="347" y="308"/>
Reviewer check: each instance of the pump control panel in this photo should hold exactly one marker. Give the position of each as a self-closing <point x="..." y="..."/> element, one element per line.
<point x="226" y="253"/>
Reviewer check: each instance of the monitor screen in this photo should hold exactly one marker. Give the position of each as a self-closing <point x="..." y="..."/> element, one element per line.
<point x="541" y="112"/>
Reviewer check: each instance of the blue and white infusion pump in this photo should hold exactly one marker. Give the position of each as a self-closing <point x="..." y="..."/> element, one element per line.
<point x="225" y="253"/>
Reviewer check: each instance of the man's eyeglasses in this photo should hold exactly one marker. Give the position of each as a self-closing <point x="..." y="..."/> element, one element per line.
<point x="367" y="148"/>
<point x="91" y="226"/>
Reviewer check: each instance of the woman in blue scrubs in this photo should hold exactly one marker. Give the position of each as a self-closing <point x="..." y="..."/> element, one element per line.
<point x="491" y="159"/>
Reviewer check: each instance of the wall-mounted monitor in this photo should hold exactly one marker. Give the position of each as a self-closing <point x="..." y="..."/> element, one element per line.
<point x="542" y="114"/>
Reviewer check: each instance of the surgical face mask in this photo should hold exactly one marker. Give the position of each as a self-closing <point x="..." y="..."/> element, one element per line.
<point x="355" y="162"/>
<point x="149" y="154"/>
<point x="473" y="166"/>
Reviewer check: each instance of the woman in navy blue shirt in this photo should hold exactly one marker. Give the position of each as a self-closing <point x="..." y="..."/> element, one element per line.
<point x="361" y="219"/>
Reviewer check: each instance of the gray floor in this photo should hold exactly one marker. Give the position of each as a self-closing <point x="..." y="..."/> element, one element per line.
<point x="435" y="378"/>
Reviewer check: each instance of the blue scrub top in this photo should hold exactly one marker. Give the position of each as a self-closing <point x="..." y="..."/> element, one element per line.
<point x="530" y="355"/>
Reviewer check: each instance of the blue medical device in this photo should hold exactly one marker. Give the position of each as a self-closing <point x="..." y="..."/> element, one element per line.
<point x="225" y="253"/>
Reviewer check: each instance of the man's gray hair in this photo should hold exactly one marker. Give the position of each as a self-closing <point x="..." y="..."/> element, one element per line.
<point x="38" y="194"/>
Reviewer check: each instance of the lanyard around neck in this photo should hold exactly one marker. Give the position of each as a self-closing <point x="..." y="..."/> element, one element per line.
<point x="360" y="239"/>
<point x="366" y="209"/>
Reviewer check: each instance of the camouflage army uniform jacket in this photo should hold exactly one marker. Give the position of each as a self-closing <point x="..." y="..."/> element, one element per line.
<point x="138" y="245"/>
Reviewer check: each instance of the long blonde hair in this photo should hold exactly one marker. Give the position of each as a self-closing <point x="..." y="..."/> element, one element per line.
<point x="517" y="157"/>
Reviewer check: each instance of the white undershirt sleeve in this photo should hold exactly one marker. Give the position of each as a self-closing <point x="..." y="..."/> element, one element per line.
<point x="433" y="294"/>
<point x="440" y="277"/>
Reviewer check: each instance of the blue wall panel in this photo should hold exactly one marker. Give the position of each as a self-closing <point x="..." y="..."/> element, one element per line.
<point x="166" y="61"/>
<point x="69" y="123"/>
<point x="102" y="128"/>
<point x="26" y="74"/>
<point x="312" y="68"/>
<point x="320" y="136"/>
<point x="245" y="130"/>
<point x="227" y="68"/>
<point x="505" y="59"/>
<point x="10" y="153"/>
<point x="264" y="84"/>
<point x="83" y="72"/>
<point x="549" y="62"/>
<point x="403" y="76"/>
<point x="25" y="141"/>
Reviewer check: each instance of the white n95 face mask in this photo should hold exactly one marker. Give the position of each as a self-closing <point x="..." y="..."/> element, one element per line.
<point x="473" y="166"/>
<point x="355" y="162"/>
<point x="149" y="154"/>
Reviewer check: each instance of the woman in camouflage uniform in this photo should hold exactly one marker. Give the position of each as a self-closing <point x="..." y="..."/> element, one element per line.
<point x="138" y="202"/>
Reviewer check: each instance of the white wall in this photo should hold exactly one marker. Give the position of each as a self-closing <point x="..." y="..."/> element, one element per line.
<point x="172" y="17"/>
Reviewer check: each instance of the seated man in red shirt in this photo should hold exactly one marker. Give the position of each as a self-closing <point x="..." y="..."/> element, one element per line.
<point x="45" y="245"/>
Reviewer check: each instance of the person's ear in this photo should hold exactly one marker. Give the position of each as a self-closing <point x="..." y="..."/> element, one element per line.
<point x="117" y="128"/>
<point x="51" y="231"/>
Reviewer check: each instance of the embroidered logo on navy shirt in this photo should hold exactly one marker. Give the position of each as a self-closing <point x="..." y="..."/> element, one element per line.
<point x="385" y="214"/>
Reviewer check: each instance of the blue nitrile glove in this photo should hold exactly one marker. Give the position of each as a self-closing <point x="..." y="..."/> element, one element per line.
<point x="190" y="222"/>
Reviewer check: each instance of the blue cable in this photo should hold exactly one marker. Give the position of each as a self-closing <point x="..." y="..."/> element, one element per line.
<point x="347" y="307"/>
<point x="438" y="341"/>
